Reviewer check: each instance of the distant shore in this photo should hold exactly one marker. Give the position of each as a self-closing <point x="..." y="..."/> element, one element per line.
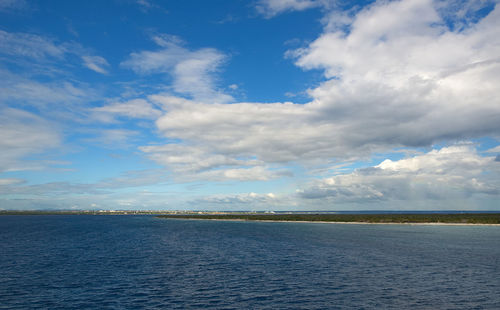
<point x="491" y="219"/>
<point x="417" y="218"/>
<point x="331" y="222"/>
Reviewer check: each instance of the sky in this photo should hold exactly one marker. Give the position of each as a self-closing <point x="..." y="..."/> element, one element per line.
<point x="250" y="105"/>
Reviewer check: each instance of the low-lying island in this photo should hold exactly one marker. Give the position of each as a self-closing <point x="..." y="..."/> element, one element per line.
<point x="419" y="218"/>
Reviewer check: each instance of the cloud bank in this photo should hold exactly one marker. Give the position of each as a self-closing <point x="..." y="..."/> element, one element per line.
<point x="400" y="77"/>
<point x="396" y="75"/>
<point x="451" y="172"/>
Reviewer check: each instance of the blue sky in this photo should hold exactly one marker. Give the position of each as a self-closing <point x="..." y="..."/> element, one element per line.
<point x="250" y="105"/>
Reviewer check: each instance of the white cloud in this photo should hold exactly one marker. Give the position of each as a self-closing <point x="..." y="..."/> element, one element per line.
<point x="45" y="55"/>
<point x="455" y="172"/>
<point x="39" y="71"/>
<point x="192" y="71"/>
<point x="23" y="134"/>
<point x="242" y="201"/>
<point x="244" y="198"/>
<point x="399" y="75"/>
<point x="135" y="108"/>
<point x="495" y="149"/>
<point x="396" y="75"/>
<point x="270" y="8"/>
<point x="17" y="90"/>
<point x="145" y="5"/>
<point x="185" y="158"/>
<point x="399" y="78"/>
<point x="29" y="45"/>
<point x="274" y="132"/>
<point x="96" y="63"/>
<point x="190" y="163"/>
<point x="462" y="13"/>
<point x="256" y="173"/>
<point x="10" y="181"/>
<point x="12" y="5"/>
<point x="65" y="190"/>
<point x="112" y="138"/>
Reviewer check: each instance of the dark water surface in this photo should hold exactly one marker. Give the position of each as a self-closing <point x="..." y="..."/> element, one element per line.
<point x="134" y="262"/>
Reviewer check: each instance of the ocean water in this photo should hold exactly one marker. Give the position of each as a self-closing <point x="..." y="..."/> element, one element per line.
<point x="142" y="262"/>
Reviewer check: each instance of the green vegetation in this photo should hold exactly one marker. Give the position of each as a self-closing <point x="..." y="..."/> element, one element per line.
<point x="449" y="218"/>
<point x="463" y="218"/>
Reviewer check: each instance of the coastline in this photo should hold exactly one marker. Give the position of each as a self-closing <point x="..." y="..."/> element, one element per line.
<point x="335" y="222"/>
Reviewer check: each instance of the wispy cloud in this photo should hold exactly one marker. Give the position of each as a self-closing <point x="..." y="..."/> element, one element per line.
<point x="12" y="5"/>
<point x="148" y="5"/>
<point x="96" y="63"/>
<point x="22" y="135"/>
<point x="33" y="50"/>
<point x="235" y="201"/>
<point x="135" y="108"/>
<point x="111" y="138"/>
<point x="270" y="8"/>
<point x="10" y="181"/>
<point x="17" y="89"/>
<point x="29" y="45"/>
<point x="193" y="72"/>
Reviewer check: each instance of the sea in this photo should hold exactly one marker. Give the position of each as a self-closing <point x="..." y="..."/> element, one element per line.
<point x="144" y="262"/>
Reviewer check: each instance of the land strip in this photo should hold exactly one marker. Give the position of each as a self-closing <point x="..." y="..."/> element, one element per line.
<point x="431" y="218"/>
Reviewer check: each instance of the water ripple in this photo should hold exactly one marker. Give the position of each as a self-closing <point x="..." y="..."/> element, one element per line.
<point x="140" y="262"/>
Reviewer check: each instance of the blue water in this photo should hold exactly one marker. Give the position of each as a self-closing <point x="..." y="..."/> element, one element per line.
<point x="134" y="262"/>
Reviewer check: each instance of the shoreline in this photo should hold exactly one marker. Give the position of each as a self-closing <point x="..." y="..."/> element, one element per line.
<point x="335" y="222"/>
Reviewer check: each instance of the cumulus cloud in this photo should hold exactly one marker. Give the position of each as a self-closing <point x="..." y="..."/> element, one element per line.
<point x="219" y="136"/>
<point x="395" y="80"/>
<point x="398" y="77"/>
<point x="450" y="172"/>
<point x="397" y="74"/>
<point x="24" y="134"/>
<point x="270" y="132"/>
<point x="400" y="73"/>
<point x="192" y="71"/>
